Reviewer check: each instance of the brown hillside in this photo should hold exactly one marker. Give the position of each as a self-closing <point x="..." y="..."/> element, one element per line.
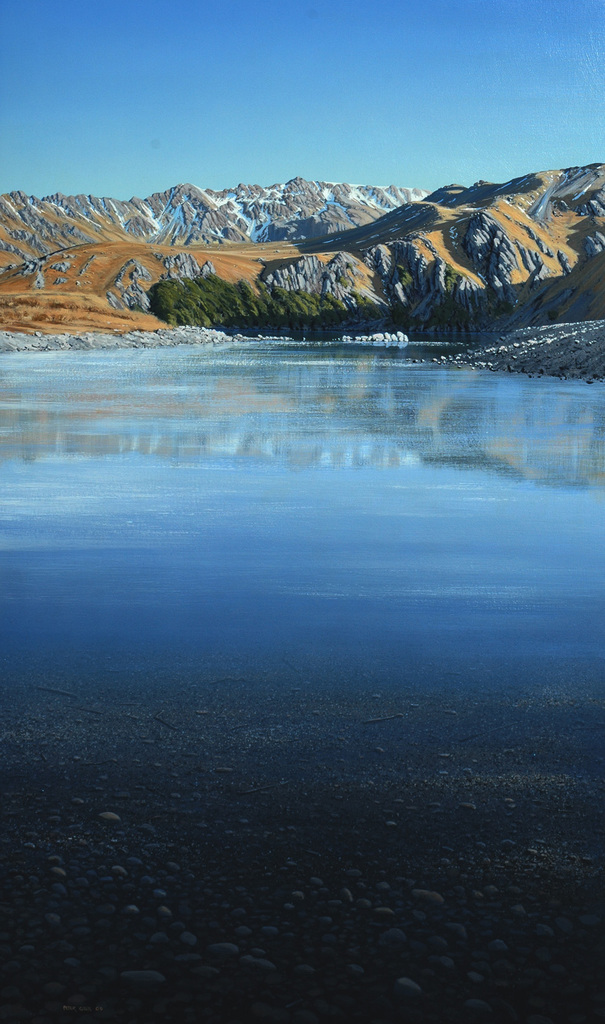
<point x="527" y="250"/>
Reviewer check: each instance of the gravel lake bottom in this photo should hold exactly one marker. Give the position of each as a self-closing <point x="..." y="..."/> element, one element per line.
<point x="241" y="851"/>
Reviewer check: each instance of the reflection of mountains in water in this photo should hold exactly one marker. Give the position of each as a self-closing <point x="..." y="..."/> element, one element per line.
<point x="306" y="412"/>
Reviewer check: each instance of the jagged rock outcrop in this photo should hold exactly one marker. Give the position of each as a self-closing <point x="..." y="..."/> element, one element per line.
<point x="595" y="207"/>
<point x="86" y="266"/>
<point x="30" y="239"/>
<point x="435" y="289"/>
<point x="305" y="275"/>
<point x="492" y="253"/>
<point x="406" y="254"/>
<point x="533" y="262"/>
<point x="9" y="247"/>
<point x="468" y="294"/>
<point x="539" y="274"/>
<point x="564" y="261"/>
<point x="542" y="246"/>
<point x="380" y="259"/>
<point x="183" y="264"/>
<point x="594" y="244"/>
<point x="34" y="267"/>
<point x="339" y="277"/>
<point x="386" y="263"/>
<point x="132" y="294"/>
<point x="409" y="279"/>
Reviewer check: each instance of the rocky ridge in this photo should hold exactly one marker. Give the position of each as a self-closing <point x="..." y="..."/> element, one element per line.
<point x="513" y="254"/>
<point x="504" y="262"/>
<point x="489" y="257"/>
<point x="187" y="215"/>
<point x="342" y="277"/>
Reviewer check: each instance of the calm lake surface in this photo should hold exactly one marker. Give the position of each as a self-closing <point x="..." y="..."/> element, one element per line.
<point x="327" y="516"/>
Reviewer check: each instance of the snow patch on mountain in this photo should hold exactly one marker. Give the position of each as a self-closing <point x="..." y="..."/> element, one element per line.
<point x="185" y="214"/>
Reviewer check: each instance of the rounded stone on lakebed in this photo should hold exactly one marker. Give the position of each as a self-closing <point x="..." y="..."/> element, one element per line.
<point x="405" y="988"/>
<point x="109" y="816"/>
<point x="143" y="978"/>
<point x="222" y="949"/>
<point x="257" y="962"/>
<point x="392" y="937"/>
<point x="478" y="1006"/>
<point x="427" y="896"/>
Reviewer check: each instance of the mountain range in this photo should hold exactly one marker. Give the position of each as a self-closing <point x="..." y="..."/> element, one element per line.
<point x="492" y="255"/>
<point x="186" y="215"/>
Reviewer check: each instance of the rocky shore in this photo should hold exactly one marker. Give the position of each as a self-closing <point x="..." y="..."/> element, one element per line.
<point x="171" y="336"/>
<point x="301" y="859"/>
<point x="574" y="351"/>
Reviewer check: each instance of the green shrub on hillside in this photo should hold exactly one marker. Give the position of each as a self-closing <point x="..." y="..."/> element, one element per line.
<point x="501" y="307"/>
<point x="405" y="278"/>
<point x="449" y="314"/>
<point x="212" y="302"/>
<point x="450" y="278"/>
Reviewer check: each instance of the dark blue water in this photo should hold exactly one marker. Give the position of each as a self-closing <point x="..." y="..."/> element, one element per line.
<point x="337" y="515"/>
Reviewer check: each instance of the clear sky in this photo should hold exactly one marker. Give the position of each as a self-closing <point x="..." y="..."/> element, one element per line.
<point x="129" y="97"/>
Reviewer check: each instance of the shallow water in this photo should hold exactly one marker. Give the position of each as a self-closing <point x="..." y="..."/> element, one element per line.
<point x="328" y="516"/>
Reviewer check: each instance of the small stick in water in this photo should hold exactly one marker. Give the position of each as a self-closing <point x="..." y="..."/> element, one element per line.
<point x="387" y="718"/>
<point x="262" y="789"/>
<point x="52" y="689"/>
<point x="157" y="718"/>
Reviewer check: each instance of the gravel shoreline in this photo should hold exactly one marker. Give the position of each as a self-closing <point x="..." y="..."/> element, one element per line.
<point x="92" y="340"/>
<point x="568" y="351"/>
<point x="166" y="338"/>
<point x="301" y="858"/>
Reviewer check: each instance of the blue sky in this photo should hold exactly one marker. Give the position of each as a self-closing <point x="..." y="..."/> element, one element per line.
<point x="128" y="97"/>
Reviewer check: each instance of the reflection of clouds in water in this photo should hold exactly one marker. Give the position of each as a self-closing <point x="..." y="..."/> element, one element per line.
<point x="300" y="411"/>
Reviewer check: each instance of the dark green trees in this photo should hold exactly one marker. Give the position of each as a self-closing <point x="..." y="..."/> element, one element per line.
<point x="212" y="302"/>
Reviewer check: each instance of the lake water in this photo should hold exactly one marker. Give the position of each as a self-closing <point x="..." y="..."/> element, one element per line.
<point x="332" y="517"/>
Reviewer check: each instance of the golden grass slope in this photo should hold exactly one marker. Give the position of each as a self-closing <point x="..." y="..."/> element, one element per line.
<point x="541" y="211"/>
<point x="76" y="298"/>
<point x="69" y="313"/>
